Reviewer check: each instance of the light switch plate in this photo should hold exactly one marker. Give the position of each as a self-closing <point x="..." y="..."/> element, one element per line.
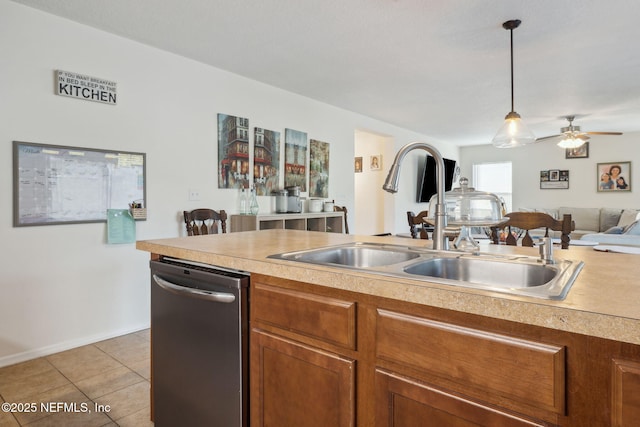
<point x="194" y="195"/>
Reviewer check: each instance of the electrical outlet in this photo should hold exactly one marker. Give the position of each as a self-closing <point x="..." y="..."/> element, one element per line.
<point x="194" y="195"/>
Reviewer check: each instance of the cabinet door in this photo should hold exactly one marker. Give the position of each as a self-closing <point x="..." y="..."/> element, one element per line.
<point x="296" y="385"/>
<point x="625" y="394"/>
<point x="403" y="402"/>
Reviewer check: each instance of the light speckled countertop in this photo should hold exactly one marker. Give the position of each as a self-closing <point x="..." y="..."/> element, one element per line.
<point x="603" y="302"/>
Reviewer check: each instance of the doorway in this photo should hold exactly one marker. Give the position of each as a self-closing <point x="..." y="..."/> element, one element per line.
<point x="372" y="214"/>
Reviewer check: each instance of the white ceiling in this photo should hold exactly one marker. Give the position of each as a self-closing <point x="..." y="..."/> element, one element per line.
<point x="438" y="67"/>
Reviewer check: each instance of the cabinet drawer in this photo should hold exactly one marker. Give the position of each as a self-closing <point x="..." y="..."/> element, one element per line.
<point x="489" y="365"/>
<point x="328" y="319"/>
<point x="409" y="402"/>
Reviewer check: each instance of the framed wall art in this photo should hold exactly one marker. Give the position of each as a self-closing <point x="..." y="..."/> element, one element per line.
<point x="554" y="179"/>
<point x="266" y="161"/>
<point x="376" y="162"/>
<point x="581" y="152"/>
<point x="357" y="165"/>
<point x="233" y="151"/>
<point x="614" y="176"/>
<point x="318" y="168"/>
<point x="295" y="158"/>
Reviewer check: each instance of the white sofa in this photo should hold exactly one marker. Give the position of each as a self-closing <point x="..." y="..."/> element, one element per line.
<point x="602" y="225"/>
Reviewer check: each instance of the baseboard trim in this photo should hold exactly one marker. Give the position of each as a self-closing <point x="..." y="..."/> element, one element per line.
<point x="12" y="359"/>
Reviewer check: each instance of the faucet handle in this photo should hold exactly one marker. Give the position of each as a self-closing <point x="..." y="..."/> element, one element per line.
<point x="546" y="250"/>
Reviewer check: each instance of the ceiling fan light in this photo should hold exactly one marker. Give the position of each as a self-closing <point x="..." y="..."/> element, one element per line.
<point x="513" y="133"/>
<point x="571" y="142"/>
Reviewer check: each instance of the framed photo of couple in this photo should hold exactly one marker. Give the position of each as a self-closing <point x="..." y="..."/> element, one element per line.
<point x="615" y="176"/>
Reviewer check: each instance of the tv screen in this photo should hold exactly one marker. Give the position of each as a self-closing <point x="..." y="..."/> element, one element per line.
<point x="427" y="182"/>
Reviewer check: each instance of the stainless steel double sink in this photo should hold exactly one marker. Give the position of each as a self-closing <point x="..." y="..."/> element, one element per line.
<point x="513" y="274"/>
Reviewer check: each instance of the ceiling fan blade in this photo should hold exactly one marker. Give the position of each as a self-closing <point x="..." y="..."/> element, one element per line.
<point x="604" y="133"/>
<point x="583" y="136"/>
<point x="547" y="138"/>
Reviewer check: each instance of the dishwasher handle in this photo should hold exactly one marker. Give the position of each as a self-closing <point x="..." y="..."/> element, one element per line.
<point x="194" y="293"/>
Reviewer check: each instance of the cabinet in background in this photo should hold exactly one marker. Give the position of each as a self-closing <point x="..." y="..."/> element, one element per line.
<point x="332" y="222"/>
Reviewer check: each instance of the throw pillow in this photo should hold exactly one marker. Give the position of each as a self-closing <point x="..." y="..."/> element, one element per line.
<point x="628" y="216"/>
<point x="609" y="217"/>
<point x="615" y="230"/>
<point x="632" y="229"/>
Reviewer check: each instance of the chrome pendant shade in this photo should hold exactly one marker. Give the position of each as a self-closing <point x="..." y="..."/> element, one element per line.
<point x="513" y="133"/>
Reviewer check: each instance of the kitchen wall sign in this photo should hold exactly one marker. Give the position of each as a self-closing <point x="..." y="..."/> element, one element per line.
<point x="85" y="87"/>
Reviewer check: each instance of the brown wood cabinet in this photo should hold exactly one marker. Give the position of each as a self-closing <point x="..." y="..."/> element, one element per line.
<point x="403" y="401"/>
<point x="299" y="385"/>
<point x="321" y="356"/>
<point x="625" y="393"/>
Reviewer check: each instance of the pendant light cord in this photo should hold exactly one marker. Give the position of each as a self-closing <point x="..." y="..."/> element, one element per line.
<point x="511" y="25"/>
<point x="512" y="105"/>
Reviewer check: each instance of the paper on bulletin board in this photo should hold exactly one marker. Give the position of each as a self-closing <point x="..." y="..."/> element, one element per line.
<point x="121" y="227"/>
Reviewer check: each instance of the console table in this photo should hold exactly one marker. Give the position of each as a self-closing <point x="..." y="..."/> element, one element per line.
<point x="332" y="222"/>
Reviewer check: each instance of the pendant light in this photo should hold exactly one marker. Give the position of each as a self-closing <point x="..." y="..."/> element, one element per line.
<point x="513" y="133"/>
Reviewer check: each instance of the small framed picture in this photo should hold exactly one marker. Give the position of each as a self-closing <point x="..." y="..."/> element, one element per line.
<point x="376" y="162"/>
<point x="581" y="152"/>
<point x="554" y="179"/>
<point x="357" y="165"/>
<point x="614" y="176"/>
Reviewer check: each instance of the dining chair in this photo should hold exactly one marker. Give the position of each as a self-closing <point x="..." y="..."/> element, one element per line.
<point x="527" y="221"/>
<point x="343" y="209"/>
<point x="415" y="220"/>
<point x="205" y="221"/>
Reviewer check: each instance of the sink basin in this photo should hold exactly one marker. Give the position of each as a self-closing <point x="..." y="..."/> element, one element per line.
<point x="516" y="275"/>
<point x="356" y="256"/>
<point x="485" y="272"/>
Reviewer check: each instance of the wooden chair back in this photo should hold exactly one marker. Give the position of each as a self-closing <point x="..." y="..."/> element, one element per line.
<point x="205" y="221"/>
<point x="343" y="209"/>
<point x="531" y="220"/>
<point x="417" y="220"/>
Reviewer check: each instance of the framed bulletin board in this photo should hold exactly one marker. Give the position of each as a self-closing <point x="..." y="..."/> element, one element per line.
<point x="55" y="184"/>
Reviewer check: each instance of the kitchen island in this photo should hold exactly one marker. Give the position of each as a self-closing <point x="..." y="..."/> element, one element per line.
<point x="413" y="347"/>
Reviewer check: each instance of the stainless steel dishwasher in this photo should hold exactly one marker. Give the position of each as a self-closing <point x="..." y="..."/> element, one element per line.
<point x="199" y="342"/>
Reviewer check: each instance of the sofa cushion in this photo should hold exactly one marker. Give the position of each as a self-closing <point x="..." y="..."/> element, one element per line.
<point x="609" y="217"/>
<point x="613" y="239"/>
<point x="584" y="218"/>
<point x="627" y="217"/>
<point x="551" y="212"/>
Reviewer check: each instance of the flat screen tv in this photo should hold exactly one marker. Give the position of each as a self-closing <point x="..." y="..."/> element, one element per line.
<point x="427" y="180"/>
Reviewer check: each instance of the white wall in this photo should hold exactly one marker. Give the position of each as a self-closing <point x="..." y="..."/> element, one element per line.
<point x="61" y="285"/>
<point x="583" y="178"/>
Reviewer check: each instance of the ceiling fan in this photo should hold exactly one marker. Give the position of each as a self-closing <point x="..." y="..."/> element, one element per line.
<point x="571" y="136"/>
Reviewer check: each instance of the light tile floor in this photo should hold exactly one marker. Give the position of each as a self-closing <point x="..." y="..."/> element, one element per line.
<point x="103" y="384"/>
